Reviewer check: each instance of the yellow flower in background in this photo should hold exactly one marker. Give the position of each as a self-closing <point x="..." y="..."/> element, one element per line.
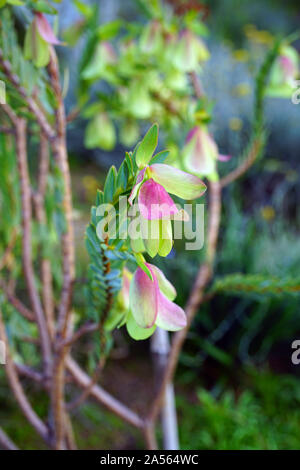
<point x="259" y="37"/>
<point x="242" y="89"/>
<point x="90" y="185"/>
<point x="267" y="213"/>
<point x="235" y="124"/>
<point x="241" y="55"/>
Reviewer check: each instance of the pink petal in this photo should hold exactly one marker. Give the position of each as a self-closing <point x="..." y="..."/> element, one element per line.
<point x="143" y="298"/>
<point x="191" y="134"/>
<point x="45" y="29"/>
<point x="224" y="158"/>
<point x="170" y="316"/>
<point x="136" y="187"/>
<point x="155" y="202"/>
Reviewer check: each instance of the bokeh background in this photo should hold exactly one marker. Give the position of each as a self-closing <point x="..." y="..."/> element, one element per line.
<point x="236" y="385"/>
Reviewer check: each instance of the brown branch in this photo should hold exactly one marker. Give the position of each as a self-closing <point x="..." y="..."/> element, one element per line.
<point x="60" y="154"/>
<point x="6" y="442"/>
<point x="10" y="113"/>
<point x="83" y="330"/>
<point x="104" y="314"/>
<point x="6" y="130"/>
<point x="30" y="373"/>
<point x="196" y="85"/>
<point x="246" y="164"/>
<point x="16" y="303"/>
<point x="73" y="114"/>
<point x="195" y="298"/>
<point x="26" y="242"/>
<point x="39" y="196"/>
<point x="34" y="108"/>
<point x="167" y="104"/>
<point x="18" y="391"/>
<point x="103" y="397"/>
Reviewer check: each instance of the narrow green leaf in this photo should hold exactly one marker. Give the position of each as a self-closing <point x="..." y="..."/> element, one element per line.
<point x="147" y="146"/>
<point x="109" y="187"/>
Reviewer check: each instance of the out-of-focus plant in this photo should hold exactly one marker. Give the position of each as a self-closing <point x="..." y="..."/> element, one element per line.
<point x="255" y="419"/>
<point x="153" y="75"/>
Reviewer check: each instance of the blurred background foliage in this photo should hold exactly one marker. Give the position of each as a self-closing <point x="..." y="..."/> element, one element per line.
<point x="237" y="387"/>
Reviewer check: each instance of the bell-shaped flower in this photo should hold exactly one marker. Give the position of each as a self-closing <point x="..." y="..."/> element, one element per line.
<point x="100" y="64"/>
<point x="45" y="29"/>
<point x="155" y="182"/>
<point x="151" y="304"/>
<point x="100" y="132"/>
<point x="151" y="41"/>
<point x="156" y="206"/>
<point x="200" y="152"/>
<point x="284" y="73"/>
<point x="189" y="50"/>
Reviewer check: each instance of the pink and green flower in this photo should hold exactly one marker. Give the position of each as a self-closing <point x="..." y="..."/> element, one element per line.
<point x="151" y="304"/>
<point x="200" y="152"/>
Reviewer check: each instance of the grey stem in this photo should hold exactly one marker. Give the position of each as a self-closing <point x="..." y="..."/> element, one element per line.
<point x="160" y="347"/>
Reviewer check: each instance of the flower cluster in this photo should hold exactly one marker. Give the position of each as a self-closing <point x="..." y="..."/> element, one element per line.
<point x="153" y="184"/>
<point x="148" y="301"/>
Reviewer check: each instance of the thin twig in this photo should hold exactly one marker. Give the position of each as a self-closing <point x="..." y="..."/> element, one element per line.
<point x="39" y="196"/>
<point x="60" y="154"/>
<point x="15" y="81"/>
<point x="6" y="442"/>
<point x="83" y="330"/>
<point x="26" y="242"/>
<point x="101" y="363"/>
<point x="251" y="157"/>
<point x="195" y="298"/>
<point x="196" y="85"/>
<point x="6" y="130"/>
<point x="30" y="373"/>
<point x="16" y="303"/>
<point x="17" y="388"/>
<point x="103" y="397"/>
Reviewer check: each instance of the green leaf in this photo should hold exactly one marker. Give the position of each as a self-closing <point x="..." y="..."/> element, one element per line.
<point x="109" y="187"/>
<point x="109" y="30"/>
<point x="159" y="157"/>
<point x="147" y="146"/>
<point x="84" y="9"/>
<point x="17" y="3"/>
<point x="100" y="132"/>
<point x="35" y="47"/>
<point x="122" y="178"/>
<point x="45" y="7"/>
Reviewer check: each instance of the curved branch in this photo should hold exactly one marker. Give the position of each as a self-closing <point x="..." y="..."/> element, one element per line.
<point x="68" y="255"/>
<point x="250" y="159"/>
<point x="18" y="391"/>
<point x="103" y="397"/>
<point x="16" y="303"/>
<point x="6" y="442"/>
<point x="195" y="298"/>
<point x="26" y="241"/>
<point x="15" y="81"/>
